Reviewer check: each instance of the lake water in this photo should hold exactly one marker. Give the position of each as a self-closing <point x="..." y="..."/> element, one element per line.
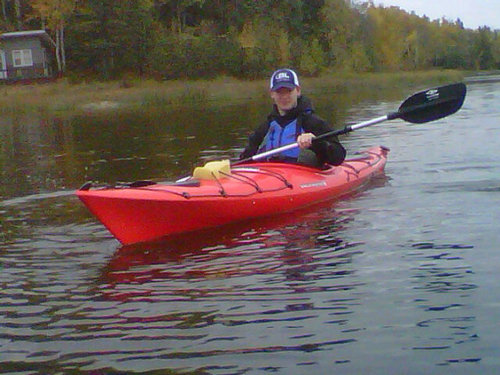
<point x="401" y="278"/>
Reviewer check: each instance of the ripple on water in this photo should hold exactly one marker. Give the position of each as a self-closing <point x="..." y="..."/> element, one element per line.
<point x="402" y="276"/>
<point x="254" y="292"/>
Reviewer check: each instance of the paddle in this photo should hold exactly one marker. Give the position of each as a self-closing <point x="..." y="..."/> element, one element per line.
<point x="424" y="106"/>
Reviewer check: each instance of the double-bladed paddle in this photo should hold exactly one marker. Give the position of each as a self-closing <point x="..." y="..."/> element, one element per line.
<point x="424" y="106"/>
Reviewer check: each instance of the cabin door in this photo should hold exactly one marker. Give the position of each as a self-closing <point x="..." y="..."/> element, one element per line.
<point x="3" y="65"/>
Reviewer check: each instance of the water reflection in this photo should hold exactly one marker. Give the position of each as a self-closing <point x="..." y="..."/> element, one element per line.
<point x="278" y="244"/>
<point x="254" y="289"/>
<point x="403" y="276"/>
<point x="30" y="150"/>
<point x="44" y="154"/>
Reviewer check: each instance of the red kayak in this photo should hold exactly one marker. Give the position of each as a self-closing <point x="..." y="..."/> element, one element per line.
<point x="147" y="211"/>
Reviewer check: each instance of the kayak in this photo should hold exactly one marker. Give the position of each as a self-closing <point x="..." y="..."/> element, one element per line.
<point x="148" y="211"/>
<point x="221" y="194"/>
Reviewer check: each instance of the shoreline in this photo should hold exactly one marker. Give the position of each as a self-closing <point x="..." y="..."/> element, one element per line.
<point x="64" y="98"/>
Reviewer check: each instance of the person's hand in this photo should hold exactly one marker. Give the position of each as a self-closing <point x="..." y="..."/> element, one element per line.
<point x="305" y="140"/>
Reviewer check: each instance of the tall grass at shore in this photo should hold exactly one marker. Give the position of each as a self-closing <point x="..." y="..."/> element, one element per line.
<point x="63" y="98"/>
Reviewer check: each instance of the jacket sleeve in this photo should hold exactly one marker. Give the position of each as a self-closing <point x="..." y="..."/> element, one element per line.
<point x="328" y="150"/>
<point x="254" y="141"/>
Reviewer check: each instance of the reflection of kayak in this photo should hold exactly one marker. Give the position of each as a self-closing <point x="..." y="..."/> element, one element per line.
<point x="144" y="212"/>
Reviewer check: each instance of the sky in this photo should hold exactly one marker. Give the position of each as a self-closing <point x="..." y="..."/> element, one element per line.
<point x="473" y="13"/>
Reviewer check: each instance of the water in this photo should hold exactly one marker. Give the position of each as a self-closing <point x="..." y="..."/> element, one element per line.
<point x="398" y="279"/>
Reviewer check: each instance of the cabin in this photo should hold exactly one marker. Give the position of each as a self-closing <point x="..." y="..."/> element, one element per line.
<point x="26" y="55"/>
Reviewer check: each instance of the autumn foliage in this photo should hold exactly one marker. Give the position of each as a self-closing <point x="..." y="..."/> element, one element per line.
<point x="245" y="38"/>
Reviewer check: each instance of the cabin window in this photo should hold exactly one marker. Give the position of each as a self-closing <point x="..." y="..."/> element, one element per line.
<point x="22" y="57"/>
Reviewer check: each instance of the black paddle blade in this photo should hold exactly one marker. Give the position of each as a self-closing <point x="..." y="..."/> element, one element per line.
<point x="432" y="104"/>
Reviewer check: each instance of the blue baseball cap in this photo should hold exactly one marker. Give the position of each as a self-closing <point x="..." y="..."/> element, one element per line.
<point x="284" y="78"/>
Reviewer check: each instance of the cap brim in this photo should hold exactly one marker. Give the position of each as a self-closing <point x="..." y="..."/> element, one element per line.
<point x="288" y="85"/>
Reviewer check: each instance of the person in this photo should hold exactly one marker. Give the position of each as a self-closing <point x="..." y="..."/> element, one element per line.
<point x="292" y="119"/>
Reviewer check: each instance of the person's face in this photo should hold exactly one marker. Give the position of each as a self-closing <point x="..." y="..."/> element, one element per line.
<point x="285" y="98"/>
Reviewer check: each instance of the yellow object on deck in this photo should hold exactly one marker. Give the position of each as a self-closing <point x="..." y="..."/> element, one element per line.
<point x="213" y="170"/>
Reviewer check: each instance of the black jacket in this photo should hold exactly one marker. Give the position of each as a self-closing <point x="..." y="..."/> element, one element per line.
<point x="328" y="150"/>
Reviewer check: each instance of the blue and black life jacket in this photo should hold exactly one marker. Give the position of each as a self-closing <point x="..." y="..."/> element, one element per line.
<point x="278" y="136"/>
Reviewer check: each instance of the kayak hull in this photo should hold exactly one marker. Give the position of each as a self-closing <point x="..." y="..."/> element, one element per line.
<point x="147" y="213"/>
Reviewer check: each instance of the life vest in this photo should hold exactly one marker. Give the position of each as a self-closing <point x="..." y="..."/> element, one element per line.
<point x="278" y="136"/>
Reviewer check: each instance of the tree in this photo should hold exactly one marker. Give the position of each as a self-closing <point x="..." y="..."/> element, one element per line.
<point x="110" y="38"/>
<point x="178" y="11"/>
<point x="483" y="48"/>
<point x="55" y="13"/>
<point x="19" y="18"/>
<point x="13" y="13"/>
<point x="339" y="27"/>
<point x="4" y="11"/>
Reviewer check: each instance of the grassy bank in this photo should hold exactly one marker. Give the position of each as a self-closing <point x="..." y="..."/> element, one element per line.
<point x="63" y="98"/>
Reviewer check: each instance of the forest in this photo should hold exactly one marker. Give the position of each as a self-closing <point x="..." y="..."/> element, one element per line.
<point x="191" y="39"/>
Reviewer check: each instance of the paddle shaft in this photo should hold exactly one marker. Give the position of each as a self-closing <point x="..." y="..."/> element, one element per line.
<point x="290" y="146"/>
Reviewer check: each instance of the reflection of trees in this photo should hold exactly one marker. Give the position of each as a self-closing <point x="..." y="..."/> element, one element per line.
<point x="41" y="153"/>
<point x="27" y="217"/>
<point x="31" y="146"/>
<point x="156" y="141"/>
<point x="9" y="229"/>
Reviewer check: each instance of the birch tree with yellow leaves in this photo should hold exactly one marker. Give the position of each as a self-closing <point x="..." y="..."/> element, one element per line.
<point x="54" y="15"/>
